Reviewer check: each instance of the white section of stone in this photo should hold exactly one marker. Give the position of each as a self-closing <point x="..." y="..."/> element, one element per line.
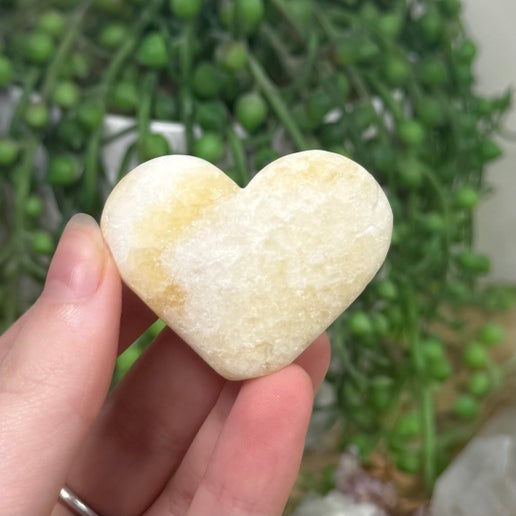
<point x="151" y="183"/>
<point x="229" y="265"/>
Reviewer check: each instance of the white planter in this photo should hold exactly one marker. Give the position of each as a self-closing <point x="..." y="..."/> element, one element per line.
<point x="113" y="153"/>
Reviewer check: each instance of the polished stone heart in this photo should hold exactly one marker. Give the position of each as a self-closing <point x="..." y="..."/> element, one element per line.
<point x="248" y="277"/>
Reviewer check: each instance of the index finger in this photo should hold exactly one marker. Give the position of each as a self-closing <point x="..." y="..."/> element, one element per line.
<point x="56" y="374"/>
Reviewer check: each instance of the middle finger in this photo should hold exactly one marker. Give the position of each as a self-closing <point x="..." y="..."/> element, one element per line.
<point x="145" y="428"/>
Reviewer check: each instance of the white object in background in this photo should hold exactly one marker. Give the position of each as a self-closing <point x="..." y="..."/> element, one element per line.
<point x="481" y="481"/>
<point x="113" y="153"/>
<point x="336" y="504"/>
<point x="491" y="26"/>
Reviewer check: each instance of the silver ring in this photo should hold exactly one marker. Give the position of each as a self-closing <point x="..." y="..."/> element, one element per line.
<point x="68" y="498"/>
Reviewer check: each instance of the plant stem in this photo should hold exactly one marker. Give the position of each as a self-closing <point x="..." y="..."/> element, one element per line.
<point x="112" y="137"/>
<point x="455" y="436"/>
<point x="144" y="112"/>
<point x="278" y="45"/>
<point x="275" y="100"/>
<point x="393" y="105"/>
<point x="31" y="78"/>
<point x="22" y="190"/>
<point x="35" y="269"/>
<point x="326" y="24"/>
<point x="307" y="70"/>
<point x="347" y="363"/>
<point x="284" y="11"/>
<point x="126" y="160"/>
<point x="424" y="391"/>
<point x="127" y="49"/>
<point x="63" y="50"/>
<point x="436" y="185"/>
<point x="22" y="183"/>
<point x="239" y="161"/>
<point x="358" y="83"/>
<point x="342" y="16"/>
<point x="186" y="59"/>
<point x="91" y="168"/>
<point x="428" y="410"/>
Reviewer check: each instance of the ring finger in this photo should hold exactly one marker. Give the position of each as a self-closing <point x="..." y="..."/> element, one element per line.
<point x="145" y="428"/>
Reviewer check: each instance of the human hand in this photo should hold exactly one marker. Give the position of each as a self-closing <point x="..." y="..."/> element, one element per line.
<point x="172" y="438"/>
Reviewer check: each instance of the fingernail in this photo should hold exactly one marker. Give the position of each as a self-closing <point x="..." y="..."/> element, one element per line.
<point x="77" y="267"/>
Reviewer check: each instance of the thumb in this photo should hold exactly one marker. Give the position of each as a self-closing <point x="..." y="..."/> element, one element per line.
<point x="56" y="372"/>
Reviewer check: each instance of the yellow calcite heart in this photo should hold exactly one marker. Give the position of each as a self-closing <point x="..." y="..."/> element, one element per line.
<point x="248" y="277"/>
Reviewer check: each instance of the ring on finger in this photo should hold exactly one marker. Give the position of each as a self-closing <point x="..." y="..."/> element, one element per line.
<point x="70" y="500"/>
